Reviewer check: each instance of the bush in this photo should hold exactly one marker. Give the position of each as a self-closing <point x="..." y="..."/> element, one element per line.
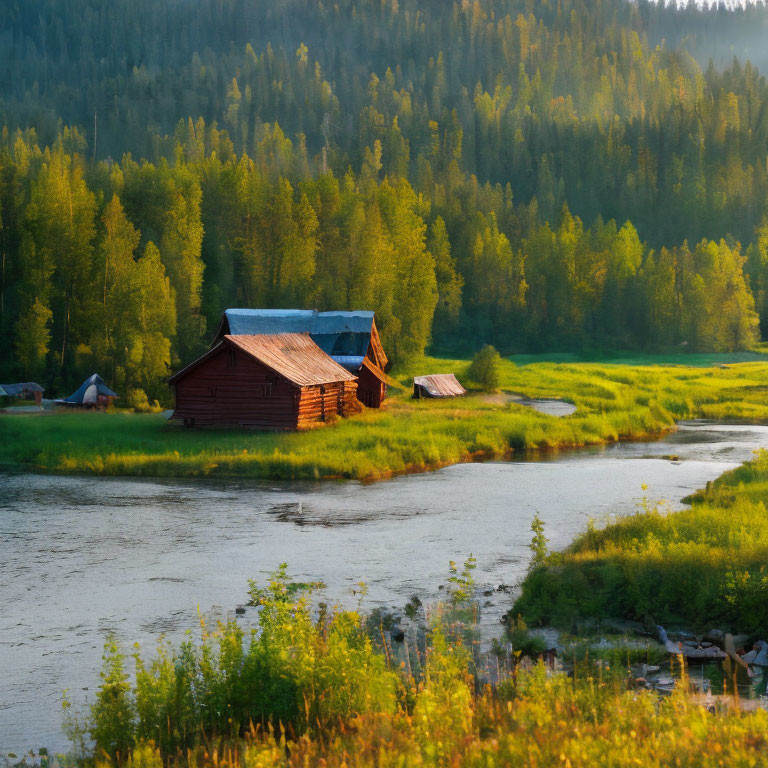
<point x="138" y="400"/>
<point x="484" y="368"/>
<point x="292" y="670"/>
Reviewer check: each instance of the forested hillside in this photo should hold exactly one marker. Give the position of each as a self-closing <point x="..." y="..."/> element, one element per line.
<point x="536" y="174"/>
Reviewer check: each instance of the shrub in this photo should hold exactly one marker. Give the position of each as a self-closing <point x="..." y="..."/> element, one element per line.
<point x="113" y="712"/>
<point x="484" y="368"/>
<point x="137" y="399"/>
<point x="292" y="670"/>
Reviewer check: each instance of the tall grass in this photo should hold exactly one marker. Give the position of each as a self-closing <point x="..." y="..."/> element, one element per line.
<point x="701" y="567"/>
<point x="304" y="692"/>
<point x="613" y="402"/>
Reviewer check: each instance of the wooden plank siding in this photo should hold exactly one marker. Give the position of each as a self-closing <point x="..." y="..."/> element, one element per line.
<point x="229" y="387"/>
<point x="371" y="388"/>
<point x="232" y="389"/>
<point x="324" y="402"/>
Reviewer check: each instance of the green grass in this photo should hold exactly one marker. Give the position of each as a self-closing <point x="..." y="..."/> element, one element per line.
<point x="694" y="359"/>
<point x="613" y="401"/>
<point x="301" y="690"/>
<point x="702" y="567"/>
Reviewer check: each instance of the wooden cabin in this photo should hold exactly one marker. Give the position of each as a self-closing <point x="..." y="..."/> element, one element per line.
<point x="350" y="338"/>
<point x="277" y="381"/>
<point x="437" y="385"/>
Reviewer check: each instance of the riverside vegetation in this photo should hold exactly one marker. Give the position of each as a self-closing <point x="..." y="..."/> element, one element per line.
<point x="613" y="402"/>
<point x="304" y="689"/>
<point x="699" y="567"/>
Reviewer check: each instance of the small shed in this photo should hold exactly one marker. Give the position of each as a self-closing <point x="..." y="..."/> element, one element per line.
<point x="437" y="385"/>
<point x="26" y="390"/>
<point x="264" y="381"/>
<point x="92" y="393"/>
<point x="349" y="337"/>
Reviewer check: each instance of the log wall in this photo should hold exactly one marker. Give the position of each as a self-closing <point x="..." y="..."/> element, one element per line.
<point x="323" y="402"/>
<point x="233" y="389"/>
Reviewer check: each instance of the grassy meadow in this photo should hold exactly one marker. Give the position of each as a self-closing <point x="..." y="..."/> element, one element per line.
<point x="701" y="567"/>
<point x="614" y="401"/>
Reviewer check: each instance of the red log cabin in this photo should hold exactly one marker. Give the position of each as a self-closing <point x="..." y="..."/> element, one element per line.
<point x="350" y="338"/>
<point x="277" y="381"/>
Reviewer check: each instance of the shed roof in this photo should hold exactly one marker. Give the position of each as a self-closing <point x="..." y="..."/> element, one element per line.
<point x="440" y="385"/>
<point x="16" y="389"/>
<point x="292" y="355"/>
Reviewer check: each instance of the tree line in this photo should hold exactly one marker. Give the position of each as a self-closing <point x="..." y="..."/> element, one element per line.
<point x="600" y="104"/>
<point x="125" y="268"/>
<point x="532" y="174"/>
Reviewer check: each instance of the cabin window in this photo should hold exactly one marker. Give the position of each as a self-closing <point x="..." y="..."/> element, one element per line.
<point x="264" y="390"/>
<point x="232" y="359"/>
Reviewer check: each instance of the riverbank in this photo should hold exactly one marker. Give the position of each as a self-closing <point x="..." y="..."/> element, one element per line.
<point x="613" y="402"/>
<point x="340" y="689"/>
<point x="697" y="568"/>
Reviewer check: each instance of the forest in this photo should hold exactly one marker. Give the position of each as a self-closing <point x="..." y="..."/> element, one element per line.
<point x="539" y="175"/>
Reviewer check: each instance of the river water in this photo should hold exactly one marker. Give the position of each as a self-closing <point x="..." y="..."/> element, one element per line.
<point x="81" y="557"/>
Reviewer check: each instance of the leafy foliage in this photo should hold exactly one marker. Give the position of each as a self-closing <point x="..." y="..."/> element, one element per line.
<point x="441" y="718"/>
<point x="290" y="670"/>
<point x="538" y="543"/>
<point x="485" y="368"/>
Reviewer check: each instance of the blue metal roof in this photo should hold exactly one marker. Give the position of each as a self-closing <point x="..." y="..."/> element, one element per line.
<point x="256" y="321"/>
<point x="344" y="336"/>
<point x="350" y="362"/>
<point x="12" y="390"/>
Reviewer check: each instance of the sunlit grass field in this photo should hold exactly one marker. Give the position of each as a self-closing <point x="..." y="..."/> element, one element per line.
<point x="613" y="402"/>
<point x="701" y="567"/>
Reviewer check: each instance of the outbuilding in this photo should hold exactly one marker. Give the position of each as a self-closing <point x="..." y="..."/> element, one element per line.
<point x="92" y="393"/>
<point x="264" y="381"/>
<point x="25" y="390"/>
<point x="437" y="385"/>
<point x="348" y="337"/>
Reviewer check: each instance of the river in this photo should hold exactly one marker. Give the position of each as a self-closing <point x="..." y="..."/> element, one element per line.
<point x="81" y="557"/>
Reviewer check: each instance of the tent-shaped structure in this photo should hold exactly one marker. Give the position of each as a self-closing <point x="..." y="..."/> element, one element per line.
<point x="437" y="385"/>
<point x="350" y="338"/>
<point x="91" y="393"/>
